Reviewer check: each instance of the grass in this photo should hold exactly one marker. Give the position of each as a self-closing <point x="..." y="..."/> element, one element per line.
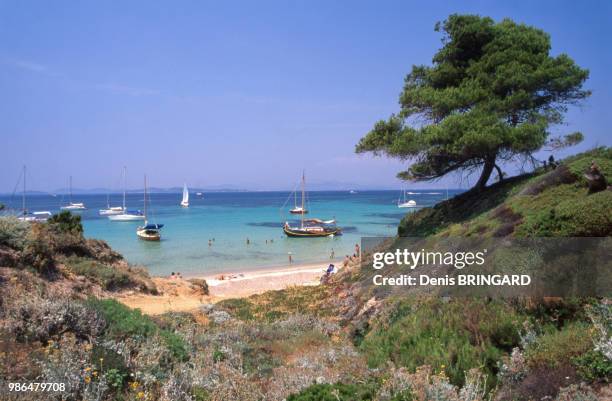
<point x="545" y="203"/>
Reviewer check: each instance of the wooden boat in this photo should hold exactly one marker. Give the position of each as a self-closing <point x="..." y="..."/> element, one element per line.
<point x="148" y="232"/>
<point x="310" y="228"/>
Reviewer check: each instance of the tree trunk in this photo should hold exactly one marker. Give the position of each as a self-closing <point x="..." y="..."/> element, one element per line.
<point x="500" y="173"/>
<point x="487" y="169"/>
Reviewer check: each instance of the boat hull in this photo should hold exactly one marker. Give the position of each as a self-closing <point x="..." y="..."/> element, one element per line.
<point x="147" y="235"/>
<point x="125" y="217"/>
<point x="298" y="211"/>
<point x="297" y="233"/>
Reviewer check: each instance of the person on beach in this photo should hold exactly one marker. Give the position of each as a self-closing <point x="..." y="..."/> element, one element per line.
<point x="290" y="257"/>
<point x="248" y="241"/>
<point x="346" y="261"/>
<point x="357" y="251"/>
<point x="172" y="276"/>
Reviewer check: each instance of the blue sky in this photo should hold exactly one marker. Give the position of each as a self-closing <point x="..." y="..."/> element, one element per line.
<point x="241" y="94"/>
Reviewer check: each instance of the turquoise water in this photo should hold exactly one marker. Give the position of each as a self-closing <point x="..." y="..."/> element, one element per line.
<point x="232" y="217"/>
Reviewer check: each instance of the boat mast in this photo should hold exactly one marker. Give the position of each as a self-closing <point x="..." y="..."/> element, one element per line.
<point x="303" y="185"/>
<point x="124" y="185"/>
<point x="145" y="200"/>
<point x="23" y="196"/>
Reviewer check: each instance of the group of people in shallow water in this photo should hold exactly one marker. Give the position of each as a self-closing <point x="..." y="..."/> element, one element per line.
<point x="175" y="276"/>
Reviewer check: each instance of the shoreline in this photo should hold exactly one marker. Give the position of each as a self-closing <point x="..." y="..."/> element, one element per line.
<point x="180" y="295"/>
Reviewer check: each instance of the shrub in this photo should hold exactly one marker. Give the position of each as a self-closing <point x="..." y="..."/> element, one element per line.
<point x="557" y="347"/>
<point x="34" y="318"/>
<point x="123" y="322"/>
<point x="108" y="277"/>
<point x="452" y="337"/>
<point x="66" y="222"/>
<point x="335" y="392"/>
<point x="13" y="232"/>
<point x="593" y="365"/>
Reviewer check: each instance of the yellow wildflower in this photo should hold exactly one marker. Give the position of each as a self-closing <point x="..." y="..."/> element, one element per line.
<point x="140" y="394"/>
<point x="87" y="379"/>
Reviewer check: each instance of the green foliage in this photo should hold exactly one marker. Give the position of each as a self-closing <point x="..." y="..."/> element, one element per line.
<point x="1" y="206"/>
<point x="200" y="394"/>
<point x="13" y="232"/>
<point x="123" y="322"/>
<point x="115" y="378"/>
<point x="557" y="347"/>
<point x="593" y="365"/>
<point x="335" y="392"/>
<point x="175" y="344"/>
<point x="66" y="222"/>
<point x="455" y="336"/>
<point x="108" y="277"/>
<point x="492" y="92"/>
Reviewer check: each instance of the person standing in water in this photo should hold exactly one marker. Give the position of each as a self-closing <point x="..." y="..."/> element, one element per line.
<point x="290" y="257"/>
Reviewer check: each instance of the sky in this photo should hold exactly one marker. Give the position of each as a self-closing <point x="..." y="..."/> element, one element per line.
<point x="240" y="94"/>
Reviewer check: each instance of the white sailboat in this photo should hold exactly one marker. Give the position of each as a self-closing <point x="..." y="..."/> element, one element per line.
<point x="148" y="232"/>
<point x="25" y="215"/>
<point x="124" y="214"/>
<point x="402" y="202"/>
<point x="185" y="201"/>
<point x="73" y="206"/>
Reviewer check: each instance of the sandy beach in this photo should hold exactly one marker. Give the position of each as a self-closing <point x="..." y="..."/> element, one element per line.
<point x="180" y="294"/>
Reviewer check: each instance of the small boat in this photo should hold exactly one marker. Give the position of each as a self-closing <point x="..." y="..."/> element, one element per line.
<point x="185" y="201"/>
<point x="73" y="206"/>
<point x="352" y="192"/>
<point x="299" y="209"/>
<point x="35" y="216"/>
<point x="148" y="232"/>
<point x="312" y="228"/>
<point x="110" y="210"/>
<point x="25" y="215"/>
<point x="402" y="202"/>
<point x="125" y="214"/>
<point x="309" y="228"/>
<point x="199" y="193"/>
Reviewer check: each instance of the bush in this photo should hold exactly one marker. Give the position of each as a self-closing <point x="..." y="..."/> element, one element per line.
<point x="123" y="322"/>
<point x="593" y="365"/>
<point x="108" y="277"/>
<point x="335" y="392"/>
<point x="452" y="337"/>
<point x="557" y="347"/>
<point x="13" y="232"/>
<point x="66" y="222"/>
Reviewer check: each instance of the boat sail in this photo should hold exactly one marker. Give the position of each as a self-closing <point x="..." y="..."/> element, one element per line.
<point x="73" y="205"/>
<point x="126" y="215"/>
<point x="185" y="201"/>
<point x="403" y="203"/>
<point x="148" y="232"/>
<point x="25" y="214"/>
<point x="310" y="227"/>
<point x="299" y="209"/>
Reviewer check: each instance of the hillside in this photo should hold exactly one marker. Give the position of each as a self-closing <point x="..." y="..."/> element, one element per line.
<point x="341" y="341"/>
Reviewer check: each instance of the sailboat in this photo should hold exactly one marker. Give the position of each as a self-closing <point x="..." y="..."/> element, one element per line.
<point x="73" y="205"/>
<point x="148" y="232"/>
<point x="185" y="201"/>
<point x="113" y="210"/>
<point x="126" y="215"/>
<point x="309" y="228"/>
<point x="402" y="202"/>
<point x="299" y="209"/>
<point x="25" y="215"/>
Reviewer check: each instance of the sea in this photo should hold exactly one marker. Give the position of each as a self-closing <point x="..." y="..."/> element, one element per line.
<point x="223" y="232"/>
